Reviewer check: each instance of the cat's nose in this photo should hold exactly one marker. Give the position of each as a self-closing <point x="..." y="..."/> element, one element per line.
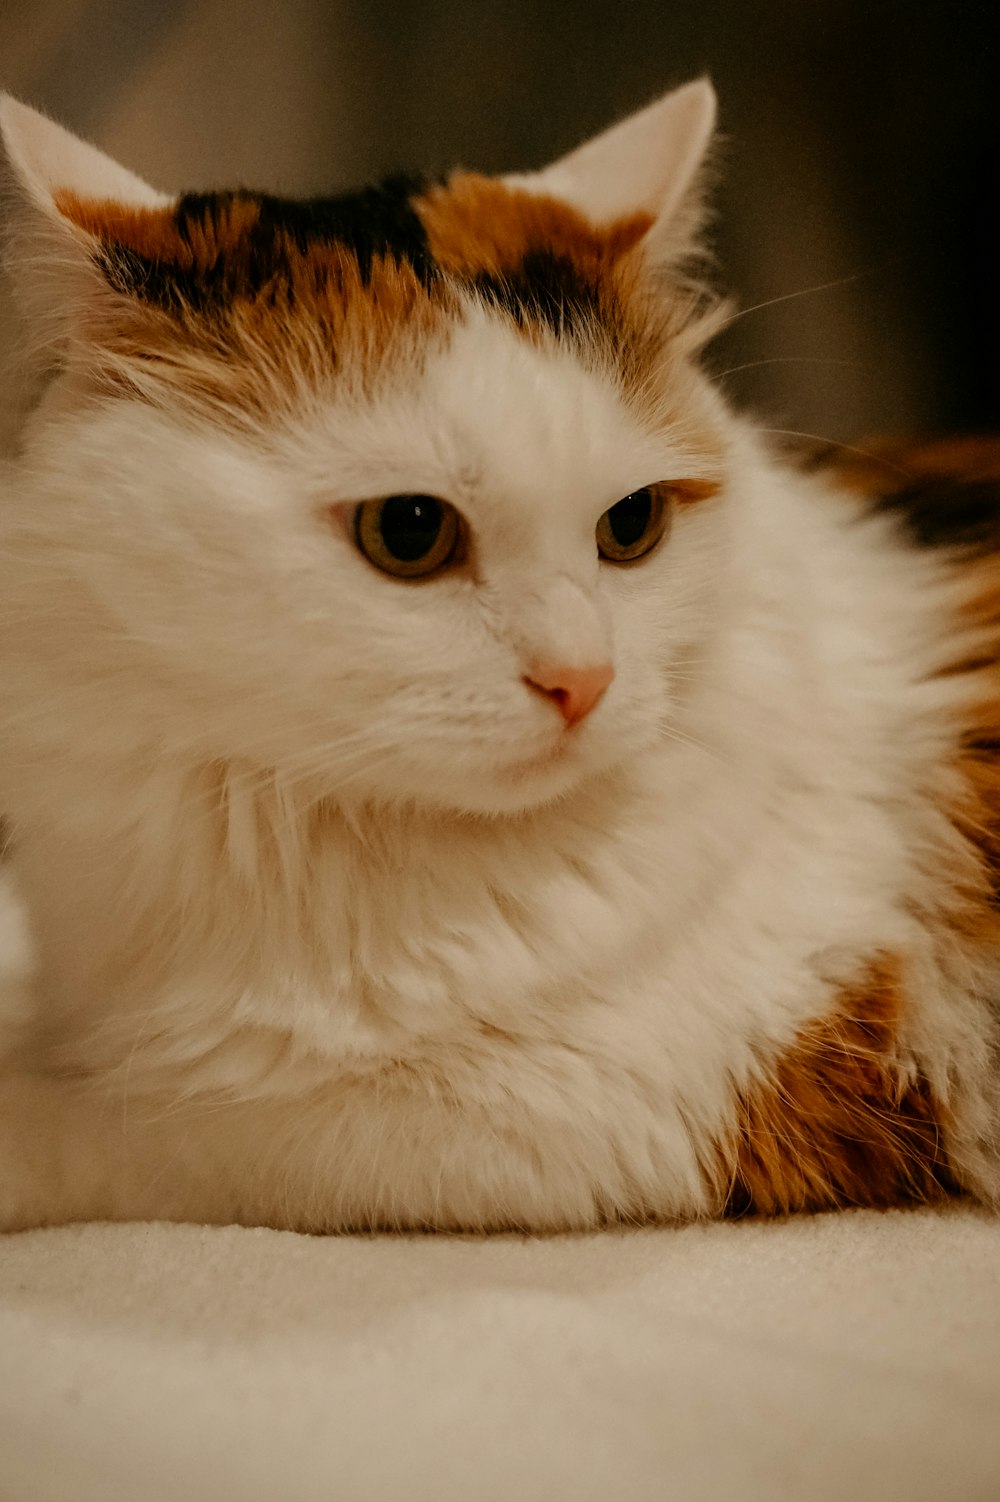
<point x="574" y="691"/>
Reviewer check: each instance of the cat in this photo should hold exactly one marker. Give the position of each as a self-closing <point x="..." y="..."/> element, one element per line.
<point x="457" y="775"/>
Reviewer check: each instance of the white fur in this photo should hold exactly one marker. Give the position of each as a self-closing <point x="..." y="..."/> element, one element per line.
<point x="337" y="924"/>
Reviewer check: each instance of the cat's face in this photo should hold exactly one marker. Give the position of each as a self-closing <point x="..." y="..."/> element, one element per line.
<point x="261" y="380"/>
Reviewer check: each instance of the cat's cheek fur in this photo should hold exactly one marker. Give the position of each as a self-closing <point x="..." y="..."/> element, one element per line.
<point x="235" y="622"/>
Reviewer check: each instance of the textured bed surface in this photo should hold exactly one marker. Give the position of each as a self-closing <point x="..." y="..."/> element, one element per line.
<point x="847" y="1356"/>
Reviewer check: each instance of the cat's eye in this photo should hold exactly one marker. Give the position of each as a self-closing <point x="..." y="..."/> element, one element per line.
<point x="407" y="535"/>
<point x="633" y="525"/>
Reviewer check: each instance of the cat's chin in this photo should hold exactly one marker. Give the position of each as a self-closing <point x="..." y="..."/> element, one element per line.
<point x="525" y="786"/>
<point x="517" y="785"/>
<point x="515" y="802"/>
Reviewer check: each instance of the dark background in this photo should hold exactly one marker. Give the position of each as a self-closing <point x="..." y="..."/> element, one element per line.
<point x="861" y="147"/>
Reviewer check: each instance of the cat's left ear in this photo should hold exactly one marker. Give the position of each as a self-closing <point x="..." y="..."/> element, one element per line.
<point x="42" y="159"/>
<point x="48" y="276"/>
<point x="44" y="171"/>
<point x="650" y="163"/>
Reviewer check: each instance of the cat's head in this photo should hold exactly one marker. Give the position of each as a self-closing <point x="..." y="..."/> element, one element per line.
<point x="407" y="492"/>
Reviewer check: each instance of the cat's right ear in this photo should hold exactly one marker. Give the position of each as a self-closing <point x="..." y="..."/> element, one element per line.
<point x="650" y="163"/>
<point x="48" y="276"/>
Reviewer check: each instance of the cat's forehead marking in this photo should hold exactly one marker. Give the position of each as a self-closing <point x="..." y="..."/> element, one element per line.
<point x="215" y="247"/>
<point x="247" y="299"/>
<point x="532" y="257"/>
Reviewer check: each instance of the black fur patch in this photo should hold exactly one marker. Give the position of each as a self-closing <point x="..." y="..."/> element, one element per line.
<point x="945" y="511"/>
<point x="544" y="288"/>
<point x="372" y="222"/>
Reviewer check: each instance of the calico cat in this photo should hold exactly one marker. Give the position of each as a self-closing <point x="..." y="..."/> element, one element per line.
<point x="457" y="776"/>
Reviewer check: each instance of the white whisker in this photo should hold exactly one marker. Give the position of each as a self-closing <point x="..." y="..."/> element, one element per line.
<point x="771" y="302"/>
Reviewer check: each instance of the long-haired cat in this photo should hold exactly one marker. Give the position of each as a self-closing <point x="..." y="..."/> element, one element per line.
<point x="457" y="777"/>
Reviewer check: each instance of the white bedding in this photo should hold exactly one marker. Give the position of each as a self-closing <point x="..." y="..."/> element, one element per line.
<point x="848" y="1356"/>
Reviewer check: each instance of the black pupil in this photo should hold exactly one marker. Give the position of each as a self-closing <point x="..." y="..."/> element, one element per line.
<point x="630" y="518"/>
<point x="410" y="525"/>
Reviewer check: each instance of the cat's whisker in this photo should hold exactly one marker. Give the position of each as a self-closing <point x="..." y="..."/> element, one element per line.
<point x="771" y="302"/>
<point x="838" y="444"/>
<point x="322" y="761"/>
<point x="785" y="360"/>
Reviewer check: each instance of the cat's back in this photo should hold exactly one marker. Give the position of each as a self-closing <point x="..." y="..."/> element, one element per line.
<point x="945" y="490"/>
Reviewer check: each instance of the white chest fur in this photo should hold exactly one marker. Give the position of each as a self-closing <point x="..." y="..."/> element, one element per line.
<point x="601" y="974"/>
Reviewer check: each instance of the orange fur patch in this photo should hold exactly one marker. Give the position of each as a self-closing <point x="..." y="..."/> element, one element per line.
<point x="689" y="492"/>
<point x="154" y="234"/>
<point x="885" y="466"/>
<point x="477" y="224"/>
<point x="838" y="1120"/>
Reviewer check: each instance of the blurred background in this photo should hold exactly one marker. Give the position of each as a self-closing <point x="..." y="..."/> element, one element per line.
<point x="861" y="148"/>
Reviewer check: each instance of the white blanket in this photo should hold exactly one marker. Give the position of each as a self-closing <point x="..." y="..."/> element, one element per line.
<point x="848" y="1357"/>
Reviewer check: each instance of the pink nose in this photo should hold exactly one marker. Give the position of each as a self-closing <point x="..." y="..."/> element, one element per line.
<point x="574" y="691"/>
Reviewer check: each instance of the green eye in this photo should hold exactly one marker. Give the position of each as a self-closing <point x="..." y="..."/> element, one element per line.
<point x="633" y="526"/>
<point x="407" y="535"/>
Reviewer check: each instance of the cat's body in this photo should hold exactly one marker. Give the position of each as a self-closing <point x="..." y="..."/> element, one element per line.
<point x="364" y="900"/>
